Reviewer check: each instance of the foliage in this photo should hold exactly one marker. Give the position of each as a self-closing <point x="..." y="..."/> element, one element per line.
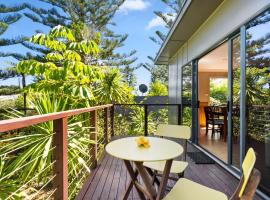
<point x="8" y="90"/>
<point x="174" y="6"/>
<point x="64" y="71"/>
<point x="5" y="74"/>
<point x="257" y="78"/>
<point x="64" y="82"/>
<point x="130" y="121"/>
<point x="218" y="92"/>
<point x="29" y="152"/>
<point x="187" y="116"/>
<point x="129" y="76"/>
<point x="9" y="103"/>
<point x="96" y="15"/>
<point x="160" y="72"/>
<point x="158" y="89"/>
<point x="112" y="88"/>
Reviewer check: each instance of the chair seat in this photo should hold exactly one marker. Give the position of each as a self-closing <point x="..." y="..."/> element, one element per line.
<point x="177" y="166"/>
<point x="185" y="189"/>
<point x="216" y="121"/>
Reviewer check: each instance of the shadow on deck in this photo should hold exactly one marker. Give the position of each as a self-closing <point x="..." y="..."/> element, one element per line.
<point x="110" y="179"/>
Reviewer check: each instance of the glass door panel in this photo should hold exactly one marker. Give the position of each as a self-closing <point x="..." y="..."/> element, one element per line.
<point x="258" y="94"/>
<point x="186" y="95"/>
<point x="235" y="130"/>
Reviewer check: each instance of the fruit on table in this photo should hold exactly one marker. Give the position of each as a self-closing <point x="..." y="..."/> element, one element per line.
<point x="143" y="142"/>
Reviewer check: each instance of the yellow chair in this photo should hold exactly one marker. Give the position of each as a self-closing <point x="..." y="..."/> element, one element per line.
<point x="171" y="131"/>
<point x="186" y="189"/>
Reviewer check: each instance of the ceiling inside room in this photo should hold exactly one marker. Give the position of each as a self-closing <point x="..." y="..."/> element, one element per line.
<point x="216" y="60"/>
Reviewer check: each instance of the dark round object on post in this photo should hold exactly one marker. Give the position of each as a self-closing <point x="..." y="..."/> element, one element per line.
<point x="143" y="88"/>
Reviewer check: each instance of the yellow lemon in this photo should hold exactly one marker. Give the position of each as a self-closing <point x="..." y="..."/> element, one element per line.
<point x="142" y="142"/>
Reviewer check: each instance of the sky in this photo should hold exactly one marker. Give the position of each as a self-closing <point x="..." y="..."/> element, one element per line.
<point x="135" y="17"/>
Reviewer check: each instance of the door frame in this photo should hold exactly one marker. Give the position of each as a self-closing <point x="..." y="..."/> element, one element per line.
<point x="230" y="102"/>
<point x="194" y="102"/>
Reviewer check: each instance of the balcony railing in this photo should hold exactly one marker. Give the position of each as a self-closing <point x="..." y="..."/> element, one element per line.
<point x="105" y="117"/>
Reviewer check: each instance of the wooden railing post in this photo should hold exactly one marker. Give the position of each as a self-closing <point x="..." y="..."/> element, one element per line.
<point x="60" y="155"/>
<point x="93" y="137"/>
<point x="112" y="121"/>
<point x="106" y="125"/>
<point x="145" y="120"/>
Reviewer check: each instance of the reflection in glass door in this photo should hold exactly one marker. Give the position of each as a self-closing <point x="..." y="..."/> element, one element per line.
<point x="258" y="94"/>
<point x="186" y="95"/>
<point x="235" y="104"/>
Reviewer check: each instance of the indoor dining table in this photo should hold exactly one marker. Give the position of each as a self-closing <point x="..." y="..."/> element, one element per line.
<point x="160" y="149"/>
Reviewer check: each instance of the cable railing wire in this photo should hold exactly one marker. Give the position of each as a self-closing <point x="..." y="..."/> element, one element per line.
<point x="29" y="181"/>
<point x="29" y="162"/>
<point x="75" y="167"/>
<point x="52" y="193"/>
<point x="78" y="182"/>
<point x="21" y="147"/>
<point x="44" y="185"/>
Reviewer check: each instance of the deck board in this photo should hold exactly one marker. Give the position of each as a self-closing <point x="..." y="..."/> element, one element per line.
<point x="110" y="179"/>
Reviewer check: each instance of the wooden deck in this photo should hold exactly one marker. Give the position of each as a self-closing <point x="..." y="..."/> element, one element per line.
<point x="110" y="179"/>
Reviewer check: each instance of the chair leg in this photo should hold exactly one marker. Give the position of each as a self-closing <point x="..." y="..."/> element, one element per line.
<point x="181" y="175"/>
<point x="222" y="131"/>
<point x="207" y="128"/>
<point x="153" y="178"/>
<point x="153" y="174"/>
<point x="213" y="128"/>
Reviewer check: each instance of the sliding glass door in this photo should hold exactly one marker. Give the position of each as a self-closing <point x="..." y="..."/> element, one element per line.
<point x="229" y="91"/>
<point x="212" y="98"/>
<point x="218" y="89"/>
<point x="258" y="94"/>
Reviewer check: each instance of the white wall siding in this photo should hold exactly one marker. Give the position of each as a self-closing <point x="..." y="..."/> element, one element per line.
<point x="173" y="79"/>
<point x="229" y="16"/>
<point x="179" y="77"/>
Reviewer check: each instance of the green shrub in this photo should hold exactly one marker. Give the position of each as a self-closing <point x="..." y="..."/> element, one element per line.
<point x="9" y="90"/>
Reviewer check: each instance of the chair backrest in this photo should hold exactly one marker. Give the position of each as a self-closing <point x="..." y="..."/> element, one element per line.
<point x="247" y="167"/>
<point x="250" y="179"/>
<point x="208" y="112"/>
<point x="174" y="131"/>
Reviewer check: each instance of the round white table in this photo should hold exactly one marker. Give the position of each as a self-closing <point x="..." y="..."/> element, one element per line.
<point x="160" y="149"/>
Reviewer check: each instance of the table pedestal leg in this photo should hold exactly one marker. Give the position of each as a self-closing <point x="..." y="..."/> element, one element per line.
<point x="133" y="181"/>
<point x="150" y="190"/>
<point x="164" y="179"/>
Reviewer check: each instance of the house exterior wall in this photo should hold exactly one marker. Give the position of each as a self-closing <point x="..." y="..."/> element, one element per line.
<point x="173" y="89"/>
<point x="226" y="19"/>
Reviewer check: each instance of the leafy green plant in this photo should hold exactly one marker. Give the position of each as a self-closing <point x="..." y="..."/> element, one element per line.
<point x="218" y="92"/>
<point x="64" y="71"/>
<point x="8" y="90"/>
<point x="158" y="89"/>
<point x="112" y="88"/>
<point x="29" y="152"/>
<point x="130" y="121"/>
